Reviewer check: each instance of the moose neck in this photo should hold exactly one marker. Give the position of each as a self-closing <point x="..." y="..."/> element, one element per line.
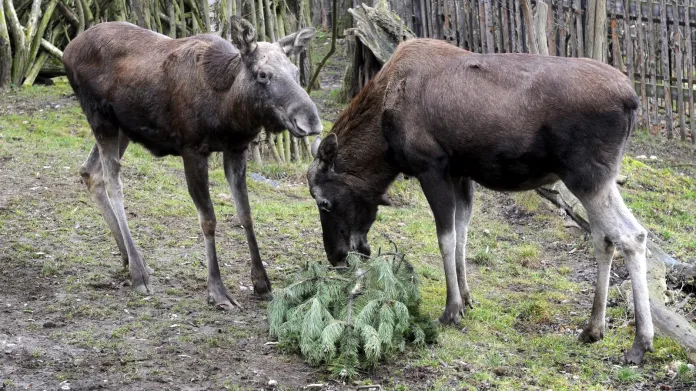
<point x="362" y="148"/>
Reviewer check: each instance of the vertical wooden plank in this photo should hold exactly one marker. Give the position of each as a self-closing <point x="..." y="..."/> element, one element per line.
<point x="580" y="36"/>
<point x="500" y="32"/>
<point x="550" y="27"/>
<point x="482" y="26"/>
<point x="434" y="19"/>
<point x="505" y="25"/>
<point x="641" y="63"/>
<point x="461" y="23"/>
<point x="519" y="37"/>
<point x="470" y="25"/>
<point x="615" y="49"/>
<point x="690" y="68"/>
<point x="678" y="65"/>
<point x="561" y="22"/>
<point x="423" y="18"/>
<point x="529" y="26"/>
<point x="628" y="41"/>
<point x="513" y="27"/>
<point x="652" y="67"/>
<point x="573" y="31"/>
<point x="488" y="12"/>
<point x="664" y="54"/>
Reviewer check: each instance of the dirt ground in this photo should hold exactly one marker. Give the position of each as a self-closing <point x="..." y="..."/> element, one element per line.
<point x="69" y="321"/>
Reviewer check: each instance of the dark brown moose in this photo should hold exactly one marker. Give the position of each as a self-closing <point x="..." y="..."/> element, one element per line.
<point x="187" y="97"/>
<point x="509" y="122"/>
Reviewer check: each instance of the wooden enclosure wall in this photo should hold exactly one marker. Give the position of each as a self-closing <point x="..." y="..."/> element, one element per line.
<point x="653" y="43"/>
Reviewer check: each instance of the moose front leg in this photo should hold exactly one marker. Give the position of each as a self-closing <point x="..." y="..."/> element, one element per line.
<point x="440" y="195"/>
<point x="196" y="169"/>
<point x="235" y="171"/>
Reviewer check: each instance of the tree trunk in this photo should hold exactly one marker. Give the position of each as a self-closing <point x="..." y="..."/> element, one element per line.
<point x="19" y="61"/>
<point x="172" y="19"/>
<point x="5" y="52"/>
<point x="35" y="69"/>
<point x="269" y="16"/>
<point x="331" y="49"/>
<point x="205" y="15"/>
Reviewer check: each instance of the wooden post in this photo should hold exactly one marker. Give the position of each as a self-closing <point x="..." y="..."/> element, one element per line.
<point x="641" y="64"/>
<point x="580" y="36"/>
<point x="529" y="25"/>
<point x="561" y="17"/>
<point x="690" y="68"/>
<point x="424" y="18"/>
<point x="490" y="40"/>
<point x="628" y="41"/>
<point x="502" y="28"/>
<point x="482" y="26"/>
<point x="678" y="64"/>
<point x="540" y="18"/>
<point x="506" y="23"/>
<point x="573" y="31"/>
<point x="519" y="34"/>
<point x="652" y="67"/>
<point x="664" y="38"/>
<point x="550" y="30"/>
<point x="615" y="48"/>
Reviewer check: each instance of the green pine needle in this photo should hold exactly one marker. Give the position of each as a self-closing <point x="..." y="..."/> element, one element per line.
<point x="349" y="320"/>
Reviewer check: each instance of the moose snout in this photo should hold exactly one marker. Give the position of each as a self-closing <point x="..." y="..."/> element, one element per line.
<point x="360" y="245"/>
<point x="305" y="121"/>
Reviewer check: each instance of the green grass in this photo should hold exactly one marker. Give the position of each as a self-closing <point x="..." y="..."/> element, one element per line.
<point x="521" y="333"/>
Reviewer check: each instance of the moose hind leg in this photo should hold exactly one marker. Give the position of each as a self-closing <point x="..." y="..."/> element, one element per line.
<point x="608" y="212"/>
<point x="604" y="251"/>
<point x="464" y="200"/>
<point x="93" y="178"/>
<point x="107" y="136"/>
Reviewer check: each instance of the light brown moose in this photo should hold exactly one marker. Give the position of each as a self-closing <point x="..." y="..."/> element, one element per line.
<point x="187" y="97"/>
<point x="509" y="122"/>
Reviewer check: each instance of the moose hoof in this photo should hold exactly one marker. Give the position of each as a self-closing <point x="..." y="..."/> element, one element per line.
<point x="467" y="300"/>
<point x="634" y="356"/>
<point x="452" y="316"/>
<point x="263" y="292"/>
<point x="591" y="335"/>
<point x="143" y="287"/>
<point x="262" y="287"/>
<point x="637" y="351"/>
<point x="221" y="299"/>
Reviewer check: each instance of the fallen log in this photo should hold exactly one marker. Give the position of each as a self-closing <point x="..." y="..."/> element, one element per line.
<point x="667" y="322"/>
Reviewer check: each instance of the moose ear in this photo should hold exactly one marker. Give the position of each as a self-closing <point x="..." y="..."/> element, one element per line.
<point x="328" y="149"/>
<point x="220" y="63"/>
<point x="295" y="42"/>
<point x="243" y="35"/>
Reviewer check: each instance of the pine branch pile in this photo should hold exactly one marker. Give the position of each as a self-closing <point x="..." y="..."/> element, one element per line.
<point x="350" y="319"/>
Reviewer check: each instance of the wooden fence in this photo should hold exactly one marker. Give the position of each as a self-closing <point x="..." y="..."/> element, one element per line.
<point x="653" y="43"/>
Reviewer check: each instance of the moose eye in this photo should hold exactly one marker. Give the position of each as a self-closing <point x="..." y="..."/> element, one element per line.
<point x="325" y="205"/>
<point x="263" y="77"/>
